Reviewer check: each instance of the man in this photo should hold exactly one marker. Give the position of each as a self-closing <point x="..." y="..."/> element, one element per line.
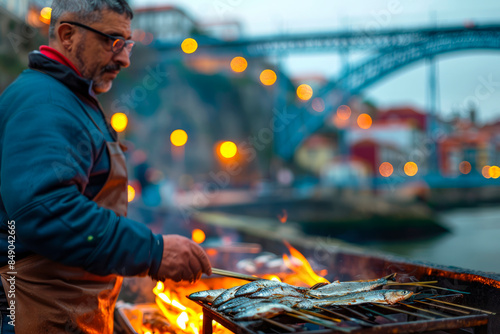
<point x="65" y="241"/>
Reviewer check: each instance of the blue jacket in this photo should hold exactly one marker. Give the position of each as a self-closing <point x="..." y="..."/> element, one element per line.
<point x="53" y="161"/>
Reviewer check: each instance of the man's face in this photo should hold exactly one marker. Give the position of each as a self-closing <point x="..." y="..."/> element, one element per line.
<point x="93" y="54"/>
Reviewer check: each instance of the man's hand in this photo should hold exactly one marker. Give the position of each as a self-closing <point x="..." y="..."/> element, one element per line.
<point x="182" y="259"/>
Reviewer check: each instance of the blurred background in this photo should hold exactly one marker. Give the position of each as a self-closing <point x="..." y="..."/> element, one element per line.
<point x="370" y="122"/>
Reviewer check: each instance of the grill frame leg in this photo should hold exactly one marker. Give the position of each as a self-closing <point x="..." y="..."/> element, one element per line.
<point x="207" y="323"/>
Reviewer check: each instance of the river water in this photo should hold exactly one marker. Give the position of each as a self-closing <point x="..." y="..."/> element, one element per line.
<point x="473" y="243"/>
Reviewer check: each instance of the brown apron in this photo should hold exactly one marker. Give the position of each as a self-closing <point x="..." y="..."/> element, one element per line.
<point x="54" y="298"/>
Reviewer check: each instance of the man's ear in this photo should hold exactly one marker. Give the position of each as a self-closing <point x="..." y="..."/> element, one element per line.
<point x="66" y="34"/>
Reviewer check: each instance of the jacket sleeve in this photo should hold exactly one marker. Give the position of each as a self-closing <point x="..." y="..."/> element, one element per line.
<point x="46" y="160"/>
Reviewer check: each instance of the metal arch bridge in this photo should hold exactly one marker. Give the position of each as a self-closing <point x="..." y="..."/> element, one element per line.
<point x="305" y="121"/>
<point x="380" y="40"/>
<point x="393" y="50"/>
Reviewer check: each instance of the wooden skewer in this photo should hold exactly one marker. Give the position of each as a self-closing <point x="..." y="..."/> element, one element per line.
<point x="332" y="312"/>
<point x="440" y="288"/>
<point x="442" y="307"/>
<point x="462" y="306"/>
<point x="412" y="283"/>
<point x="403" y="311"/>
<point x="307" y="318"/>
<point x="358" y="321"/>
<point x="321" y="316"/>
<point x="233" y="274"/>
<point x="427" y="311"/>
<point x="385" y="316"/>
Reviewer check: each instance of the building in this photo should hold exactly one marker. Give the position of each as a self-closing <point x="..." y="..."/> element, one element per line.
<point x="165" y="23"/>
<point x="393" y="137"/>
<point x="18" y="8"/>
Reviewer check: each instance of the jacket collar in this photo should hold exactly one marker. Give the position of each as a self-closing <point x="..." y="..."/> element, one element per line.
<point x="56" y="55"/>
<point x="63" y="73"/>
<point x="78" y="85"/>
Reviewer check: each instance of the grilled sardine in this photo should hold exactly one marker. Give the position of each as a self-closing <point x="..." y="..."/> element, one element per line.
<point x="343" y="288"/>
<point x="262" y="310"/>
<point x="225" y="296"/>
<point x="379" y="296"/>
<point x="276" y="292"/>
<point x="207" y="296"/>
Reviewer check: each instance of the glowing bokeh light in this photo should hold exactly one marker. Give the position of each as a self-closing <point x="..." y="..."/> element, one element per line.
<point x="131" y="193"/>
<point x="45" y="15"/>
<point x="318" y="104"/>
<point x="148" y="38"/>
<point x="464" y="167"/>
<point x="228" y="149"/>
<point x="212" y="252"/>
<point x="119" y="122"/>
<point x="339" y="122"/>
<point x="494" y="172"/>
<point x="364" y="121"/>
<point x="268" y="77"/>
<point x="386" y="169"/>
<point x="239" y="64"/>
<point x="138" y="35"/>
<point x="198" y="236"/>
<point x="411" y="168"/>
<point x="343" y="112"/>
<point x="486" y="171"/>
<point x="178" y="137"/>
<point x="304" y="92"/>
<point x="189" y="45"/>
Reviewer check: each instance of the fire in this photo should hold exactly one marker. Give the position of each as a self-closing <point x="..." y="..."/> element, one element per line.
<point x="186" y="316"/>
<point x="272" y="278"/>
<point x="301" y="266"/>
<point x="283" y="218"/>
<point x="182" y="321"/>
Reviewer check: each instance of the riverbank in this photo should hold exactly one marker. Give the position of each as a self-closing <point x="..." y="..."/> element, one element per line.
<point x="473" y="241"/>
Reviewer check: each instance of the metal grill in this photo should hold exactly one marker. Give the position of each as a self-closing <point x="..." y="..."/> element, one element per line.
<point x="424" y="314"/>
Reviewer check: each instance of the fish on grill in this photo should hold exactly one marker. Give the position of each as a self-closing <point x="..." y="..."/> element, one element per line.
<point x="276" y="291"/>
<point x="246" y="305"/>
<point x="256" y="286"/>
<point x="207" y="296"/>
<point x="233" y="303"/>
<point x="262" y="310"/>
<point x="379" y="296"/>
<point x="343" y="288"/>
<point x="290" y="301"/>
<point x="226" y="295"/>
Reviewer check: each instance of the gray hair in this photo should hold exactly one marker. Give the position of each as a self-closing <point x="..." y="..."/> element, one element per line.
<point x="87" y="11"/>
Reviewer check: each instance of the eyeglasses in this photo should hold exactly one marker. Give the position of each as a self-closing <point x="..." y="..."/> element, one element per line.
<point x="117" y="43"/>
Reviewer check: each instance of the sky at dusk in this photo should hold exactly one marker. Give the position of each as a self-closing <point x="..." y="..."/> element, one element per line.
<point x="463" y="76"/>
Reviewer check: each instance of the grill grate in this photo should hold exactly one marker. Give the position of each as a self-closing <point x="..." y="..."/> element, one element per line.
<point x="424" y="314"/>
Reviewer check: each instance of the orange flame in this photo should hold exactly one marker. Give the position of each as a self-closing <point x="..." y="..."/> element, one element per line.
<point x="186" y="316"/>
<point x="301" y="266"/>
<point x="272" y="278"/>
<point x="181" y="313"/>
<point x="284" y="217"/>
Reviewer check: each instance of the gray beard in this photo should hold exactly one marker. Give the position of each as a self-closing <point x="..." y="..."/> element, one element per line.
<point x="81" y="63"/>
